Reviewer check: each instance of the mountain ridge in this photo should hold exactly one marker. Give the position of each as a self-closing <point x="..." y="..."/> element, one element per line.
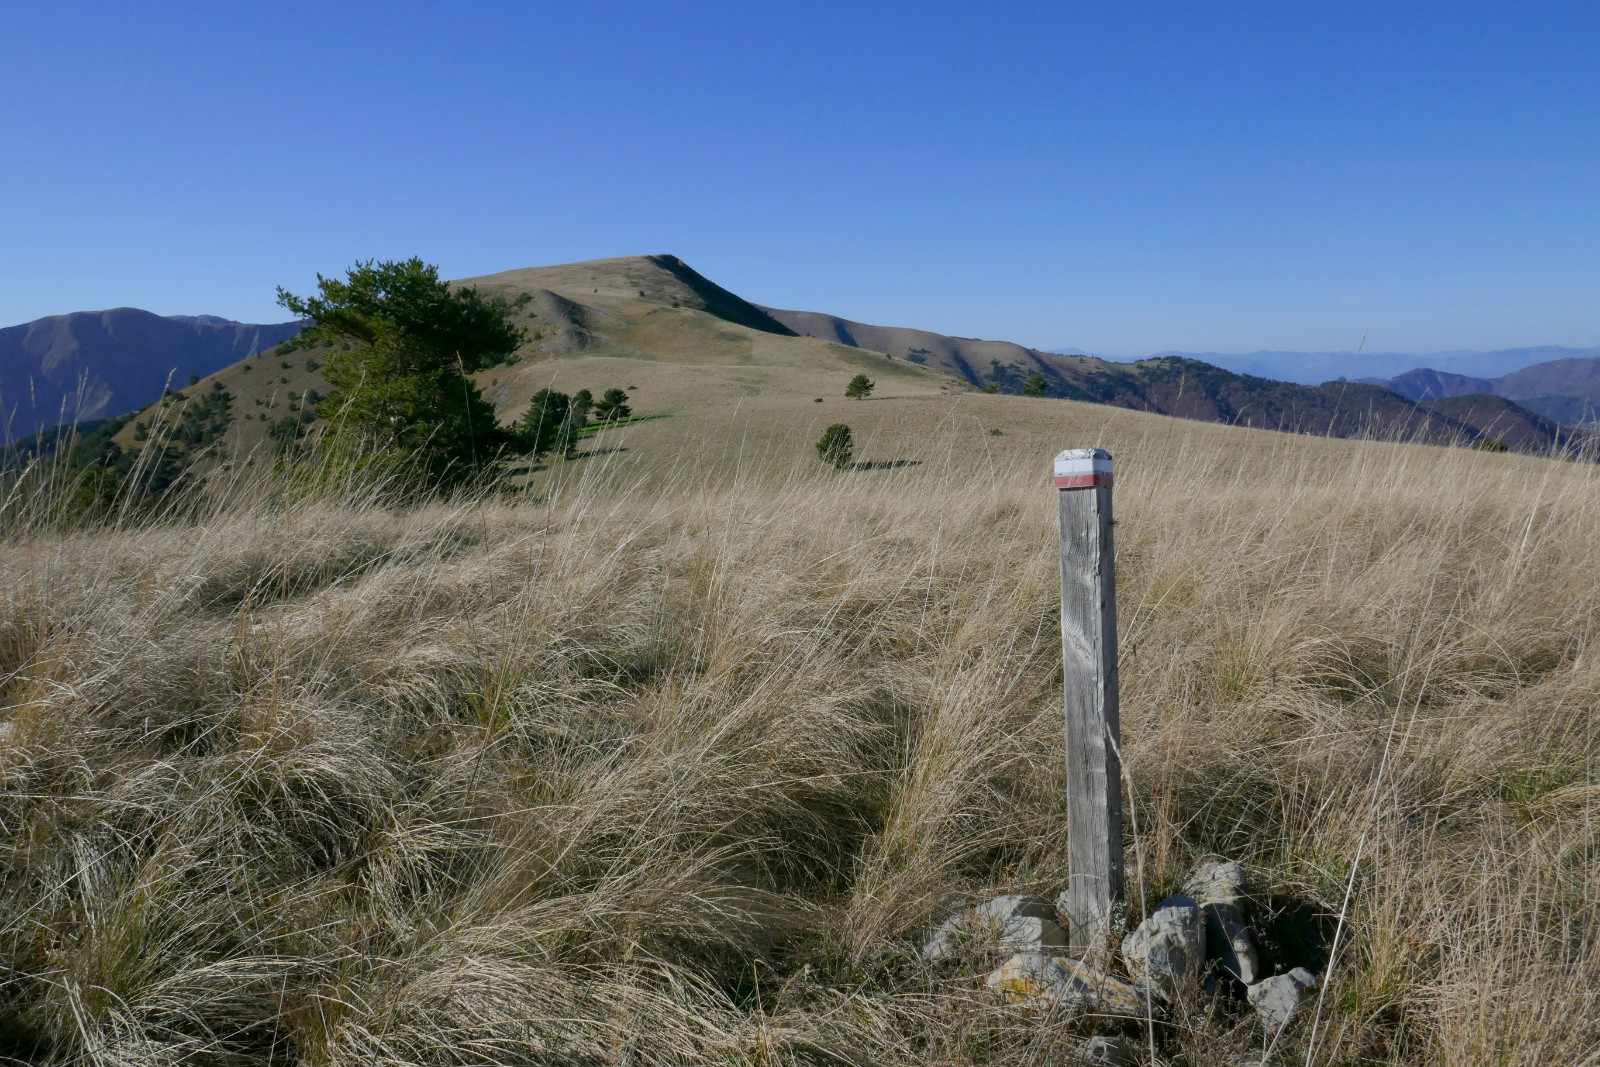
<point x="657" y="309"/>
<point x="1566" y="390"/>
<point x="88" y="365"/>
<point x="1314" y="368"/>
<point x="1194" y="389"/>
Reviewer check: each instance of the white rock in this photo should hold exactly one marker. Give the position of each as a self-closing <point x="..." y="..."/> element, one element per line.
<point x="1275" y="999"/>
<point x="1167" y="951"/>
<point x="1024" y="933"/>
<point x="1016" y="905"/>
<point x="1070" y="983"/>
<point x="1218" y="886"/>
<point x="1107" y="1051"/>
<point x="1012" y="923"/>
<point x="1216" y="882"/>
<point x="1228" y="942"/>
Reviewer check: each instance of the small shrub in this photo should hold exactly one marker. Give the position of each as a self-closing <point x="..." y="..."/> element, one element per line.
<point x="860" y="387"/>
<point x="836" y="447"/>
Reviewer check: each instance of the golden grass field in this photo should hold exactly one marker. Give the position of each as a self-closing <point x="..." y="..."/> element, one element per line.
<point x="673" y="761"/>
<point x="673" y="753"/>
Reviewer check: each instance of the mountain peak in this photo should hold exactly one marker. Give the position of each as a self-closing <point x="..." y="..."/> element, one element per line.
<point x="661" y="279"/>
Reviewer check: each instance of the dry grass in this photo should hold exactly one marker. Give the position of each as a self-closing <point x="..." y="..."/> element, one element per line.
<point x="677" y="776"/>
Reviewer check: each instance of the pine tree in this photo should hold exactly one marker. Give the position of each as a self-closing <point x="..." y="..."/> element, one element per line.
<point x="836" y="447"/>
<point x="613" y="405"/>
<point x="401" y="346"/>
<point x="546" y="427"/>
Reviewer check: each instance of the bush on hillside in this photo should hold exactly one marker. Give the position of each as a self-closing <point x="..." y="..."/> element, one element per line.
<point x="860" y="387"/>
<point x="402" y="343"/>
<point x="836" y="447"/>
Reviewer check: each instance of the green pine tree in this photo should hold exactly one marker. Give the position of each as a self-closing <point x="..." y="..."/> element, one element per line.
<point x="402" y="344"/>
<point x="836" y="447"/>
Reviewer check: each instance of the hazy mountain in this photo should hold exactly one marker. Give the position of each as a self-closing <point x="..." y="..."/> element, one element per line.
<point x="92" y="364"/>
<point x="1429" y="384"/>
<point x="1310" y="368"/>
<point x="1566" y="390"/>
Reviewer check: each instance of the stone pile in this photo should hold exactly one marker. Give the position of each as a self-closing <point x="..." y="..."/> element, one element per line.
<point x="1193" y="945"/>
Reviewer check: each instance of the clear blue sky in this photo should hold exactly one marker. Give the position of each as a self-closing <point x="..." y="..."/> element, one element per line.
<point x="1124" y="177"/>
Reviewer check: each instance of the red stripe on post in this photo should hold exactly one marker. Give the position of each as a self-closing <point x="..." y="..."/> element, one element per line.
<point x="1082" y="481"/>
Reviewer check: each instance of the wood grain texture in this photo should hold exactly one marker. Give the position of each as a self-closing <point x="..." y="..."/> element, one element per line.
<point x="1089" y="656"/>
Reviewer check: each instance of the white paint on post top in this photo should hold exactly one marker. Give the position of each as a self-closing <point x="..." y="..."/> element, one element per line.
<point x="1083" y="468"/>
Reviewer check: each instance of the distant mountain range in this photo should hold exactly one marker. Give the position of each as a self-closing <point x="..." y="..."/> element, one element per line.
<point x="93" y="364"/>
<point x="1566" y="390"/>
<point x="1196" y="389"/>
<point x="1312" y="368"/>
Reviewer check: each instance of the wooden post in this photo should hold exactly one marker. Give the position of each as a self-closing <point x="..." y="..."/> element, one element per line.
<point x="1089" y="656"/>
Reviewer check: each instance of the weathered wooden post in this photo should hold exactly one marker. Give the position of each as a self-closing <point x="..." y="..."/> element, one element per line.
<point x="1089" y="655"/>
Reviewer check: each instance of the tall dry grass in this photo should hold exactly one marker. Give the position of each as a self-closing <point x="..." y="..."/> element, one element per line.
<point x="678" y="775"/>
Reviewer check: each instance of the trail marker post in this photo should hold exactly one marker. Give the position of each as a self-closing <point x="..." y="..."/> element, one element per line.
<point x="1089" y="659"/>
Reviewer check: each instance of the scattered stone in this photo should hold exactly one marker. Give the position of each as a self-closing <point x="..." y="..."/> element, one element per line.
<point x="1167" y="951"/>
<point x="1218" y="887"/>
<point x="1024" y="933"/>
<point x="1012" y="923"/>
<point x="1216" y="882"/>
<point x="1276" y="999"/>
<point x="1070" y="983"/>
<point x="1105" y="1051"/>
<point x="1014" y="906"/>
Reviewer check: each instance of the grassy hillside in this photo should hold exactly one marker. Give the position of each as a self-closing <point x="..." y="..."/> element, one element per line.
<point x="674" y="757"/>
<point x="1194" y="389"/>
<point x="685" y="347"/>
<point x="643" y="321"/>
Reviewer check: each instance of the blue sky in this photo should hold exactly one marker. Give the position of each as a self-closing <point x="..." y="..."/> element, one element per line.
<point x="1121" y="177"/>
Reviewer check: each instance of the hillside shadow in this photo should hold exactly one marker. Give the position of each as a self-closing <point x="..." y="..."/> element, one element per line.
<point x="885" y="464"/>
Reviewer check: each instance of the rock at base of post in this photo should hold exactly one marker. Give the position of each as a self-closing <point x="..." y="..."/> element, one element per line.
<point x="1218" y="886"/>
<point x="1167" y="951"/>
<point x="1072" y="984"/>
<point x="1006" y="924"/>
<point x="1276" y="999"/>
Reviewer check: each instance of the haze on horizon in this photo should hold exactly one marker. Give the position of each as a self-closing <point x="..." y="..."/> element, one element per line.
<point x="1229" y="177"/>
